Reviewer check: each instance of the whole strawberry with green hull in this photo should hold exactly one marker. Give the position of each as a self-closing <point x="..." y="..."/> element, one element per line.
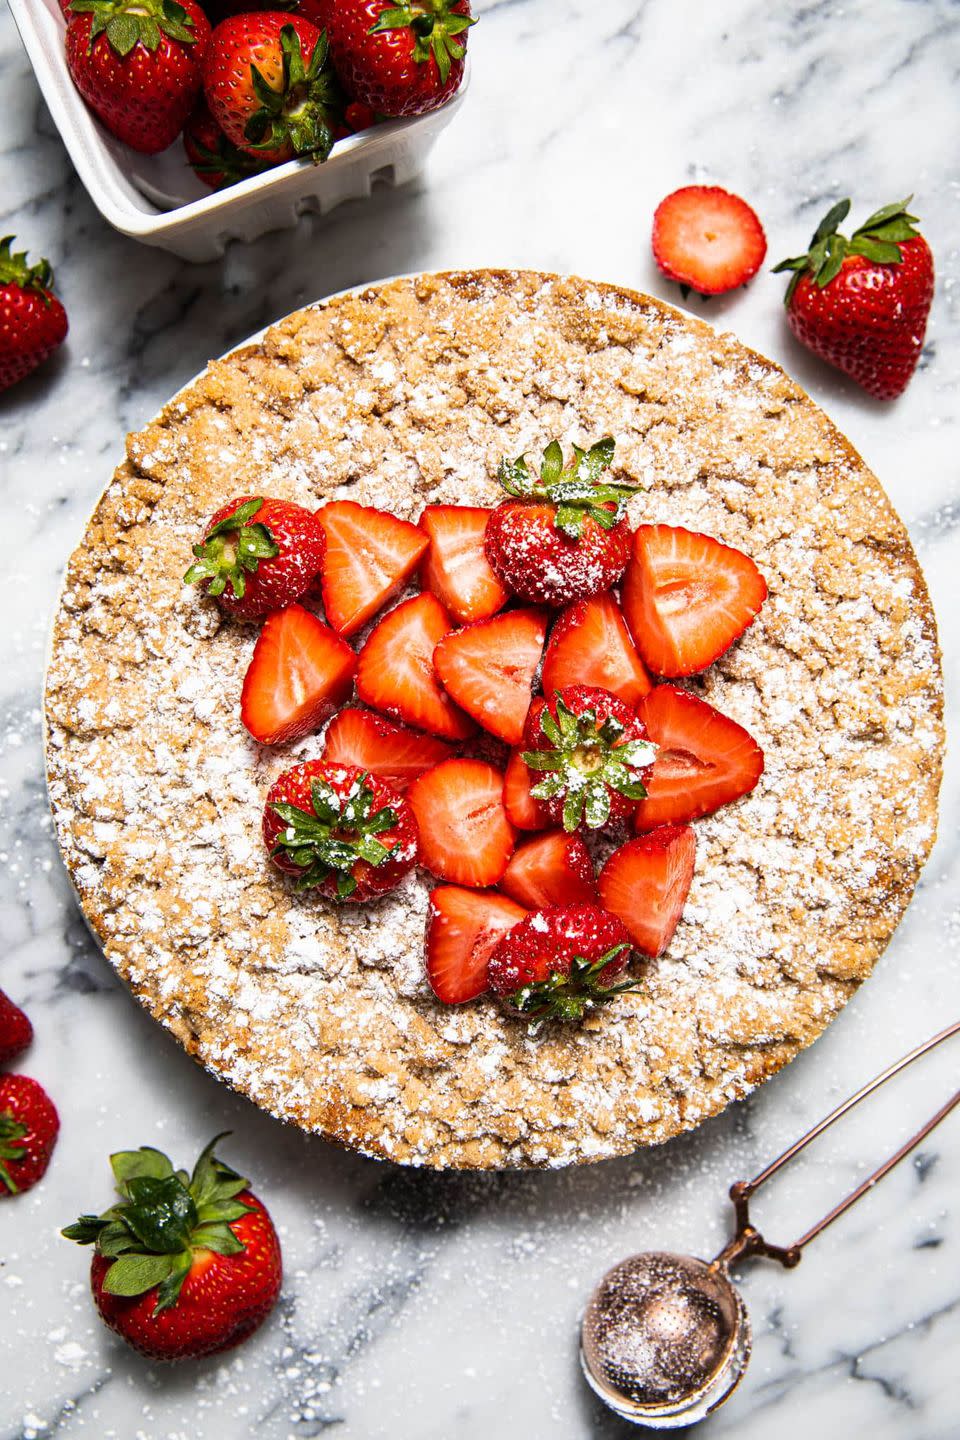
<point x="33" y="323"/>
<point x="213" y="158"/>
<point x="29" y="1125"/>
<point x="16" y="1032"/>
<point x="398" y="59"/>
<point x="257" y="555"/>
<point x="560" y="962"/>
<point x="138" y="64"/>
<point x="862" y="303"/>
<point x="183" y="1265"/>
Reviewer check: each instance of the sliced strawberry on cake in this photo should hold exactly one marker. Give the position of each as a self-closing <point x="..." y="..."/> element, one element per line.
<point x="455" y="567"/>
<point x="465" y="835"/>
<point x="704" y="759"/>
<point x="396" y="673"/>
<point x="463" y="930"/>
<point x="370" y="553"/>
<point x="488" y="668"/>
<point x="646" y="883"/>
<point x="551" y="869"/>
<point x="300" y="673"/>
<point x="394" y="753"/>
<point x="591" y="645"/>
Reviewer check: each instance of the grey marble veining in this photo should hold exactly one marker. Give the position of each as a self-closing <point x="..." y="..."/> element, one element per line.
<point x="418" y="1305"/>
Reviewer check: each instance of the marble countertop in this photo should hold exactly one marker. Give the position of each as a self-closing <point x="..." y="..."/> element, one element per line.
<point x="421" y="1305"/>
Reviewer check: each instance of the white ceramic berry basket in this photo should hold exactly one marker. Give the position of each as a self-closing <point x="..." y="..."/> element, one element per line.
<point x="159" y="200"/>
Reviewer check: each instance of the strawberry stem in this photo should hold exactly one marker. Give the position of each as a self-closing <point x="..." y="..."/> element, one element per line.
<point x="565" y="996"/>
<point x="128" y="23"/>
<point x="574" y="490"/>
<point x="335" y="834"/>
<point x="435" y="25"/>
<point x="878" y="239"/>
<point x="12" y="1146"/>
<point x="232" y="550"/>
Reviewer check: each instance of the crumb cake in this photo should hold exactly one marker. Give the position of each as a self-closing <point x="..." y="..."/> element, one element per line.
<point x="409" y="393"/>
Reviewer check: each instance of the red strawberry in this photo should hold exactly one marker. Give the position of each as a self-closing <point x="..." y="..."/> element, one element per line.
<point x="357" y="116"/>
<point x="590" y="645"/>
<point x="560" y="962"/>
<point x="707" y="239"/>
<point x="33" y="323"/>
<point x="182" y="1267"/>
<point x="370" y="553"/>
<point x="687" y="597"/>
<point x="29" y="1125"/>
<point x="299" y="674"/>
<point x="462" y="931"/>
<point x="551" y="869"/>
<point x="563" y="537"/>
<point x="489" y="667"/>
<point x="523" y="810"/>
<point x="392" y="752"/>
<point x="215" y="159"/>
<point x="590" y="755"/>
<point x="138" y="64"/>
<point x="396" y="673"/>
<point x="16" y="1032"/>
<point x="270" y="86"/>
<point x="862" y="304"/>
<point x="703" y="761"/>
<point x="400" y="57"/>
<point x="646" y="882"/>
<point x="339" y="830"/>
<point x="455" y="567"/>
<point x="465" y="835"/>
<point x="257" y="555"/>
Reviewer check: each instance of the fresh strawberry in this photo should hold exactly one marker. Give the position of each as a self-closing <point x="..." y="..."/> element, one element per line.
<point x="215" y="159"/>
<point x="257" y="555"/>
<point x="591" y="756"/>
<point x="590" y="645"/>
<point x="29" y="1125"/>
<point x="551" y="869"/>
<point x="455" y="567"/>
<point x="392" y="752"/>
<point x="138" y="64"/>
<point x="181" y="1267"/>
<point x="400" y="57"/>
<point x="564" y="535"/>
<point x="396" y="673"/>
<point x="704" y="760"/>
<point x="687" y="597"/>
<point x="357" y="116"/>
<point x="370" y="553"/>
<point x="465" y="836"/>
<point x="862" y="304"/>
<point x="524" y="812"/>
<point x="707" y="239"/>
<point x="646" y="882"/>
<point x="33" y="323"/>
<point x="299" y="674"/>
<point x="16" y="1032"/>
<point x="339" y="830"/>
<point x="560" y="962"/>
<point x="462" y="931"/>
<point x="489" y="667"/>
<point x="270" y="86"/>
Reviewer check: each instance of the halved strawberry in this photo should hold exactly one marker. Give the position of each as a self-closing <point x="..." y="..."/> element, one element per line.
<point x="707" y="239"/>
<point x="489" y="667"/>
<point x="687" y="597"/>
<point x="455" y="567"/>
<point x="391" y="752"/>
<point x="463" y="930"/>
<point x="551" y="869"/>
<point x="370" y="553"/>
<point x="396" y="673"/>
<point x="704" y="759"/>
<point x="590" y="645"/>
<point x="299" y="674"/>
<point x="525" y="812"/>
<point x="465" y="835"/>
<point x="646" y="882"/>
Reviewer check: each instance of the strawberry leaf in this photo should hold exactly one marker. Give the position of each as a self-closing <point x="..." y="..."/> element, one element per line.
<point x="136" y="1274"/>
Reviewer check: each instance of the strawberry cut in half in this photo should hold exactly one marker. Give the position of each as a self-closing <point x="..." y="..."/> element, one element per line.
<point x="551" y="869"/>
<point x="370" y="554"/>
<point x="465" y="835"/>
<point x="687" y="597"/>
<point x="463" y="930"/>
<point x="489" y="667"/>
<point x="704" y="759"/>
<point x="524" y="810"/>
<point x="392" y="752"/>
<point x="645" y="883"/>
<point x="591" y="645"/>
<point x="396" y="673"/>
<point x="707" y="239"/>
<point x="455" y="567"/>
<point x="300" y="673"/>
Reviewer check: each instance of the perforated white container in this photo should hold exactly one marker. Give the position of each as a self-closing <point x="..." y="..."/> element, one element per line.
<point x="159" y="200"/>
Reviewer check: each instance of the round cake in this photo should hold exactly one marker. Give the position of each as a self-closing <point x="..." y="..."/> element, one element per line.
<point x="409" y="393"/>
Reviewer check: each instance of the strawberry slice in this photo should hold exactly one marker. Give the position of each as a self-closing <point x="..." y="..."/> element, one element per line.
<point x="687" y="597"/>
<point x="590" y="645"/>
<point x="299" y="674"/>
<point x="524" y="811"/>
<point x="489" y="667"/>
<point x="551" y="869"/>
<point x="645" y="883"/>
<point x="392" y="752"/>
<point x="369" y="555"/>
<point x="455" y="567"/>
<point x="465" y="835"/>
<point x="707" y="239"/>
<point x="463" y="930"/>
<point x="396" y="673"/>
<point x="705" y="759"/>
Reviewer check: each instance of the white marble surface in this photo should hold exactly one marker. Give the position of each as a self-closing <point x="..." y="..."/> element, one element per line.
<point x="425" y="1306"/>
